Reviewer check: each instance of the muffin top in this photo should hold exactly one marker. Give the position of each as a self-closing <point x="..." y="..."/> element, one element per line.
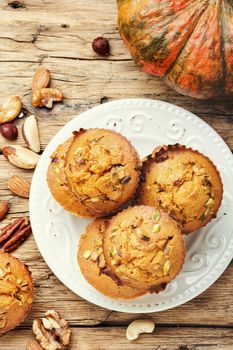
<point x="184" y="183"/>
<point x="58" y="184"/>
<point x="16" y="292"/>
<point x="93" y="263"/>
<point x="144" y="248"/>
<point x="89" y="178"/>
<point x="102" y="170"/>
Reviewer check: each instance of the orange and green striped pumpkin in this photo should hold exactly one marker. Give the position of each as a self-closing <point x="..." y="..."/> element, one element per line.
<point x="189" y="43"/>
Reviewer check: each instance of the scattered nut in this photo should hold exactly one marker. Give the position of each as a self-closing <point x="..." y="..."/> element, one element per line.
<point x="41" y="79"/>
<point x="156" y="216"/>
<point x="94" y="256"/>
<point x="10" y="109"/>
<point x="58" y="325"/>
<point x="101" y="46"/>
<point x="9" y="131"/>
<point x="4" y="208"/>
<point x="21" y="156"/>
<point x="46" y="97"/>
<point x="31" y="133"/>
<point x="207" y="211"/>
<point x="101" y="261"/>
<point x="86" y="254"/>
<point x="33" y="345"/>
<point x="19" y="185"/>
<point x="52" y="331"/>
<point x="44" y="337"/>
<point x="137" y="327"/>
<point x="210" y="202"/>
<point x="166" y="267"/>
<point x="156" y="228"/>
<point x="2" y="320"/>
<point x="14" y="234"/>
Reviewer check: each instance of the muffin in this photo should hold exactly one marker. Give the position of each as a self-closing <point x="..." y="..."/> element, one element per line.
<point x="95" y="173"/>
<point x="16" y="292"/>
<point x="184" y="183"/>
<point x="93" y="264"/>
<point x="144" y="248"/>
<point x="57" y="181"/>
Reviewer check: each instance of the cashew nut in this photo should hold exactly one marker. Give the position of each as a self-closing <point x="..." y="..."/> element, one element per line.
<point x="137" y="327"/>
<point x="10" y="109"/>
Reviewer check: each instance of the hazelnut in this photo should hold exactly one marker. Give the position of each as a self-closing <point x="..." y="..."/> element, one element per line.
<point x="9" y="131"/>
<point x="101" y="46"/>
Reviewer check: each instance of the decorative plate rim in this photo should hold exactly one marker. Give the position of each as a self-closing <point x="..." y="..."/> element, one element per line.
<point x="113" y="304"/>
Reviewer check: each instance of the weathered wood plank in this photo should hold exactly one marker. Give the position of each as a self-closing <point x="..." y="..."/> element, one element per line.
<point x="41" y="33"/>
<point x="115" y="339"/>
<point x="85" y="82"/>
<point x="85" y="91"/>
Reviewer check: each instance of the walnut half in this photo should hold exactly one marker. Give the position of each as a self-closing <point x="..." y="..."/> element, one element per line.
<point x="52" y="332"/>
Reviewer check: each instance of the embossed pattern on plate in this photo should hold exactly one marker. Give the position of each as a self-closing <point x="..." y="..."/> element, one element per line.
<point x="147" y="124"/>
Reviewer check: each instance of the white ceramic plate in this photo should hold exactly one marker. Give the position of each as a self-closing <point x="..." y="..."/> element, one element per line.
<point x="147" y="124"/>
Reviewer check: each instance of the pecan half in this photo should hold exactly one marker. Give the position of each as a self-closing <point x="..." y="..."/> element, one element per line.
<point x="14" y="234"/>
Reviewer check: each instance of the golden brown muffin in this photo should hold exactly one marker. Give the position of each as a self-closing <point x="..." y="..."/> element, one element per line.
<point x="57" y="181"/>
<point x="144" y="248"/>
<point x="16" y="292"/>
<point x="95" y="173"/>
<point x="93" y="264"/>
<point x="183" y="182"/>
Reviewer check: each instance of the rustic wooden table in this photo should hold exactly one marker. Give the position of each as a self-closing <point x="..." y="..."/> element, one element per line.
<point x="58" y="35"/>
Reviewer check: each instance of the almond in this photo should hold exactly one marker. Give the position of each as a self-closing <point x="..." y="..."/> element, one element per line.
<point x="19" y="185"/>
<point x="10" y="109"/>
<point x="41" y="79"/>
<point x="31" y="133"/>
<point x="21" y="156"/>
<point x="4" y="208"/>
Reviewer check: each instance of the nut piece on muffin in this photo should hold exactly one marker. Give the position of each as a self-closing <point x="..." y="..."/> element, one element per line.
<point x="16" y="292"/>
<point x="95" y="173"/>
<point x="93" y="266"/>
<point x="137" y="251"/>
<point x="184" y="183"/>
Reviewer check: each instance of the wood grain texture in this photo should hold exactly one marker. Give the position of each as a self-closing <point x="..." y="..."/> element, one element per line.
<point x="114" y="339"/>
<point x="58" y="35"/>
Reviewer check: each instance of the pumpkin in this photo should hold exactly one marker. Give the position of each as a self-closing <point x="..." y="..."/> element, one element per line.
<point x="189" y="43"/>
